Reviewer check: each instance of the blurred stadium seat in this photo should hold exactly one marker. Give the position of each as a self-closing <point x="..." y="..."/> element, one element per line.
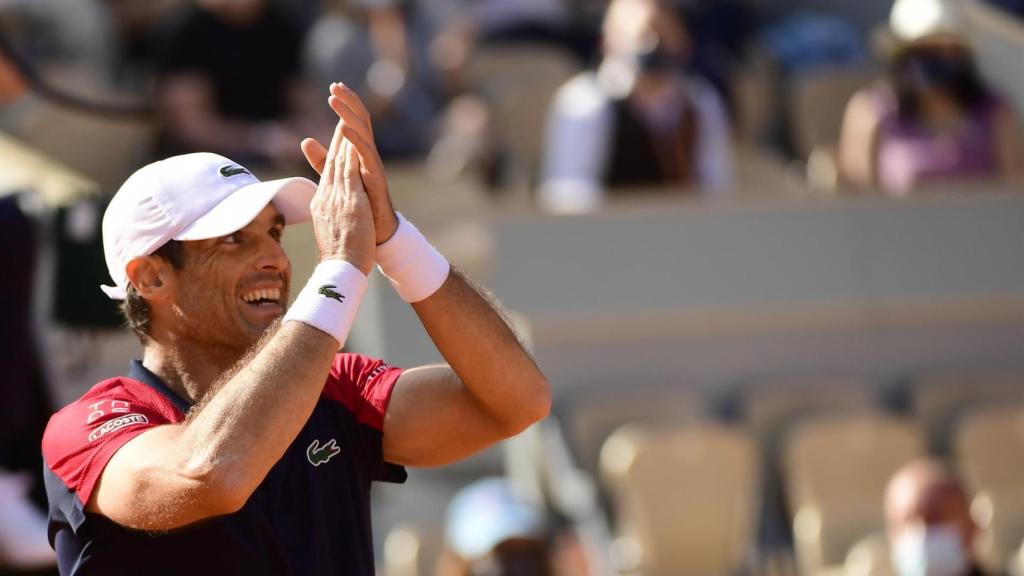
<point x="869" y="557"/>
<point x="686" y="498"/>
<point x="592" y="417"/>
<point x="817" y="102"/>
<point x="939" y="399"/>
<point x="105" y="149"/>
<point x="988" y="445"/>
<point x="518" y="82"/>
<point x="772" y="406"/>
<point x="836" y="471"/>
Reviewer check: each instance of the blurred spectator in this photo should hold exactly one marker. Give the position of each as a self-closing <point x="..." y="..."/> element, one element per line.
<point x="931" y="532"/>
<point x="380" y="49"/>
<point x="492" y="531"/>
<point x="25" y="408"/>
<point x="68" y="40"/>
<point x="639" y="120"/>
<point x="934" y="119"/>
<point x="12" y="85"/>
<point x="722" y="31"/>
<point x="230" y="83"/>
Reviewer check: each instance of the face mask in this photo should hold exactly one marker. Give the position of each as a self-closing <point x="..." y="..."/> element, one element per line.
<point x="930" y="551"/>
<point x="937" y="71"/>
<point x="657" y="61"/>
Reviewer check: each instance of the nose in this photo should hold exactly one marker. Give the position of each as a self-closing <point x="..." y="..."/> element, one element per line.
<point x="273" y="257"/>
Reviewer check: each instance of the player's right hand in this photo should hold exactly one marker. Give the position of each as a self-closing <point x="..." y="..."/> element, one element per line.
<point x="342" y="217"/>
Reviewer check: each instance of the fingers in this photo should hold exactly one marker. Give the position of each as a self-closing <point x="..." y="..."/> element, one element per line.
<point x="330" y="162"/>
<point x="366" y="150"/>
<point x="340" y="161"/>
<point x="350" y="117"/>
<point x="315" y="154"/>
<point x="353" y="180"/>
<point x="352" y="101"/>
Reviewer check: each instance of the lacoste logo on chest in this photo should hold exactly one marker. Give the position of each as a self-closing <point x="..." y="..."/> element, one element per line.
<point x="318" y="454"/>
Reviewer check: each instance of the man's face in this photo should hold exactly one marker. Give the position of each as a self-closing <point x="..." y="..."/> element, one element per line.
<point x="930" y="528"/>
<point x="231" y="289"/>
<point x="638" y="26"/>
<point x="918" y="504"/>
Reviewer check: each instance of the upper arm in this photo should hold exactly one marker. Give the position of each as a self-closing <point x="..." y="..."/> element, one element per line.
<point x="185" y="97"/>
<point x="714" y="148"/>
<point x="432" y="419"/>
<point x="1008" y="144"/>
<point x="118" y="456"/>
<point x="858" y="140"/>
<point x="148" y="485"/>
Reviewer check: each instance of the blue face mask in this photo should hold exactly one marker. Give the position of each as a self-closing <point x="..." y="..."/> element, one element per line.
<point x="936" y="550"/>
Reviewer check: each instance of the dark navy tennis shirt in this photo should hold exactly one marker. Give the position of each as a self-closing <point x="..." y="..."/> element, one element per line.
<point x="310" y="515"/>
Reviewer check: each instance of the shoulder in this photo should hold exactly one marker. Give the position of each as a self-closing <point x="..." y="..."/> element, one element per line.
<point x="704" y="97"/>
<point x="355" y="368"/>
<point x="581" y="96"/>
<point x="362" y="384"/>
<point x="109" y="407"/>
<point x="82" y="437"/>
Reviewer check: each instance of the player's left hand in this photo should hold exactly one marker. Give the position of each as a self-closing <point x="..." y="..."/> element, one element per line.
<point x="358" y="130"/>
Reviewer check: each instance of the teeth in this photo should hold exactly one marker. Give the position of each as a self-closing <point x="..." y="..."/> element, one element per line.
<point x="266" y="294"/>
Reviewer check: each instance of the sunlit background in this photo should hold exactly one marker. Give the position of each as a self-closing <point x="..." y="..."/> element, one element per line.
<point x="767" y="252"/>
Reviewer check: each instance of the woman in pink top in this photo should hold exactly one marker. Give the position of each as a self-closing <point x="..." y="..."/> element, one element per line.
<point x="933" y="119"/>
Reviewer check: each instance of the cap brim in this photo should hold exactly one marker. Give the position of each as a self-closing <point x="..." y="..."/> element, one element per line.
<point x="291" y="197"/>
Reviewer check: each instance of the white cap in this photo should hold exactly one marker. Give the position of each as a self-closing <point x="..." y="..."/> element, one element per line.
<point x="912" y="20"/>
<point x="190" y="197"/>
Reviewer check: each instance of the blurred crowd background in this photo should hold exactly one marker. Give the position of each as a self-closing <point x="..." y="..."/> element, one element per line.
<point x="768" y="252"/>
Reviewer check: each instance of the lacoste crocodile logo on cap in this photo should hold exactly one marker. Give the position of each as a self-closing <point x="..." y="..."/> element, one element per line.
<point x="327" y="291"/>
<point x="228" y="171"/>
<point x="318" y="454"/>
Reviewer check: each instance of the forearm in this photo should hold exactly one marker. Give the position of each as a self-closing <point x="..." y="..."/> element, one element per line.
<point x="485" y="354"/>
<point x="233" y="440"/>
<point x="191" y="118"/>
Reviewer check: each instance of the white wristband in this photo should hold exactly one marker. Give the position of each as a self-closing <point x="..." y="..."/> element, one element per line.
<point x="415" y="268"/>
<point x="330" y="300"/>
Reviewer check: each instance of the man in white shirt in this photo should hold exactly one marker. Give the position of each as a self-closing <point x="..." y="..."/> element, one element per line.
<point x="638" y="120"/>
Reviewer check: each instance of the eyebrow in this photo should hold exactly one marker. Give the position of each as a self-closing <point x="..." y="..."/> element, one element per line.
<point x="278" y="221"/>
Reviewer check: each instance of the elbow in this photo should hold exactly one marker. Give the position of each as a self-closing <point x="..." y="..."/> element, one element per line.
<point x="220" y="489"/>
<point x="534" y="406"/>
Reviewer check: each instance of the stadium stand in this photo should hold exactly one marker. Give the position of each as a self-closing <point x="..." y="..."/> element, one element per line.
<point x="987" y="443"/>
<point x="940" y="399"/>
<point x="686" y="499"/>
<point x="518" y="82"/>
<point x="837" y="469"/>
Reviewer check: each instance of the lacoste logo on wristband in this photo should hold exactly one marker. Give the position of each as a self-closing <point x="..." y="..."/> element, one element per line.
<point x="229" y="171"/>
<point x="327" y="291"/>
<point x="317" y="454"/>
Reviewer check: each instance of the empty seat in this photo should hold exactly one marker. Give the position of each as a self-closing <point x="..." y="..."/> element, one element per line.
<point x="593" y="417"/>
<point x="686" y="498"/>
<point x="836" y="470"/>
<point x="519" y="82"/>
<point x="869" y="557"/>
<point x="988" y="445"/>
<point x="939" y="399"/>
<point x="772" y="406"/>
<point x="818" y="102"/>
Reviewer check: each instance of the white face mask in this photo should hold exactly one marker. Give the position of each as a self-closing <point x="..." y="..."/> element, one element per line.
<point x="936" y="550"/>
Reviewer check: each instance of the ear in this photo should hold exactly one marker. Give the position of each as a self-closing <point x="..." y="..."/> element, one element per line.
<point x="151" y="276"/>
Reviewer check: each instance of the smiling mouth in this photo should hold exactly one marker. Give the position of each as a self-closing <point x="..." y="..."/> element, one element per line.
<point x="265" y="298"/>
